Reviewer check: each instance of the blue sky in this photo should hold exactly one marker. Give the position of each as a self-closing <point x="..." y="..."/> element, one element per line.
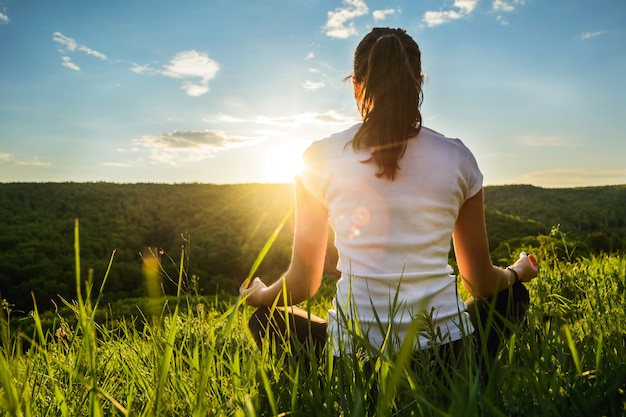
<point x="220" y="91"/>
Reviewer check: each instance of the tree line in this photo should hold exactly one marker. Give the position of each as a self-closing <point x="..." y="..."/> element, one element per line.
<point x="219" y="230"/>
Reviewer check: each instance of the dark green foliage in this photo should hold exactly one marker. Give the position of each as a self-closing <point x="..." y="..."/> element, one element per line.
<point x="224" y="227"/>
<point x="221" y="227"/>
<point x="578" y="211"/>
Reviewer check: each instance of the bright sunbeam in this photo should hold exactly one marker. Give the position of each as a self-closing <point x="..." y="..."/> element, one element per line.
<point x="283" y="161"/>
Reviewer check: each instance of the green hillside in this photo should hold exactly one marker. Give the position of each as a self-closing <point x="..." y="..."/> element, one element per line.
<point x="222" y="228"/>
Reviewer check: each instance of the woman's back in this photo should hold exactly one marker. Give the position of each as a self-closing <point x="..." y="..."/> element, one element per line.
<point x="394" y="235"/>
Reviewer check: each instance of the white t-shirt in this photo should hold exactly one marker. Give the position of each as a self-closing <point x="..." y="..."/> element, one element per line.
<point x="393" y="237"/>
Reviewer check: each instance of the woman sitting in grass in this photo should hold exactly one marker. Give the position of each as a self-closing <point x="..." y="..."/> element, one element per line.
<point x="395" y="193"/>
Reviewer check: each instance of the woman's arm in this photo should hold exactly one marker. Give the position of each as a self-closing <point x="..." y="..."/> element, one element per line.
<point x="471" y="246"/>
<point x="304" y="276"/>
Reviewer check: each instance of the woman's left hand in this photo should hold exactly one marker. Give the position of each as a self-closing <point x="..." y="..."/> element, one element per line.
<point x="253" y="292"/>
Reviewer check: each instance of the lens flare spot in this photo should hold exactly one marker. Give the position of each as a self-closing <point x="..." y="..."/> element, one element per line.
<point x="359" y="218"/>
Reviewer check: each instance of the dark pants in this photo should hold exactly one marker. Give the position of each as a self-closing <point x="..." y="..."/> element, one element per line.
<point x="493" y="319"/>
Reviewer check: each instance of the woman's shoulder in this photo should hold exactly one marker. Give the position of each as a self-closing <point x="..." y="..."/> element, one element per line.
<point x="333" y="144"/>
<point x="435" y="138"/>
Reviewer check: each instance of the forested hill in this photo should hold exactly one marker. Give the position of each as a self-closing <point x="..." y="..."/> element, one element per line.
<point x="222" y="229"/>
<point x="595" y="216"/>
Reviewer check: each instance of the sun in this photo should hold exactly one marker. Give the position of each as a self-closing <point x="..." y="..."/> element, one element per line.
<point x="283" y="161"/>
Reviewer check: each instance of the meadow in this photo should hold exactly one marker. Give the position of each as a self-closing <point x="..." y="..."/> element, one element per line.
<point x="192" y="356"/>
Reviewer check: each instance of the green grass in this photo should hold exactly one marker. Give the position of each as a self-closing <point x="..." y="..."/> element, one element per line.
<point x="190" y="357"/>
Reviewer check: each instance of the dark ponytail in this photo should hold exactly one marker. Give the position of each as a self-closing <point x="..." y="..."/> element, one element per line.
<point x="387" y="64"/>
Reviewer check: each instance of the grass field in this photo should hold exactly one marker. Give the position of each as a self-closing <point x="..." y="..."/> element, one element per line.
<point x="191" y="357"/>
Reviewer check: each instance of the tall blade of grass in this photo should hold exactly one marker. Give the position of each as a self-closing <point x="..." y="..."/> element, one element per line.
<point x="266" y="247"/>
<point x="9" y="393"/>
<point x="59" y="396"/>
<point x="169" y="346"/>
<point x="599" y="353"/>
<point x="572" y="348"/>
<point x="294" y="388"/>
<point x="249" y="407"/>
<point x="397" y="369"/>
<point x="79" y="294"/>
<point x="268" y="391"/>
<point x="88" y="344"/>
<point x="104" y="280"/>
<point x="255" y="266"/>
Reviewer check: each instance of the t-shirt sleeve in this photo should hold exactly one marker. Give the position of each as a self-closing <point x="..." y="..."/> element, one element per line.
<point x="313" y="175"/>
<point x="471" y="173"/>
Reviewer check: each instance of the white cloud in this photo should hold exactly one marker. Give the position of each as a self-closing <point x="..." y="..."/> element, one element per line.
<point x="69" y="45"/>
<point x="186" y="65"/>
<point x="313" y="85"/>
<point x="502" y="6"/>
<point x="141" y="69"/>
<point x="502" y="20"/>
<point x="382" y="14"/>
<point x="191" y="64"/>
<point x="463" y="8"/>
<point x="191" y="145"/>
<point x="506" y="6"/>
<point x="230" y="119"/>
<point x="589" y="35"/>
<point x="4" y="18"/>
<point x="196" y="90"/>
<point x="67" y="63"/>
<point x="310" y="55"/>
<point x="5" y="157"/>
<point x="340" y="21"/>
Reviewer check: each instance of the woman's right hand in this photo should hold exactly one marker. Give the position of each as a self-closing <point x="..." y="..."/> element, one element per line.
<point x="253" y="292"/>
<point x="526" y="267"/>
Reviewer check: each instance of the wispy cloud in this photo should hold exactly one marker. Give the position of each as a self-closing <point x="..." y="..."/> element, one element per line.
<point x="340" y="23"/>
<point x="35" y="163"/>
<point x="379" y="15"/>
<point x="186" y="65"/>
<point x="309" y="118"/>
<point x="295" y="121"/>
<point x="189" y="145"/>
<point x="461" y="8"/>
<point x="589" y="35"/>
<point x="69" y="45"/>
<point x="4" y="18"/>
<point x="506" y="6"/>
<point x="226" y="118"/>
<point x="313" y="85"/>
<point x="10" y="158"/>
<point x="67" y="63"/>
<point x="574" y="177"/>
<point x="115" y="164"/>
